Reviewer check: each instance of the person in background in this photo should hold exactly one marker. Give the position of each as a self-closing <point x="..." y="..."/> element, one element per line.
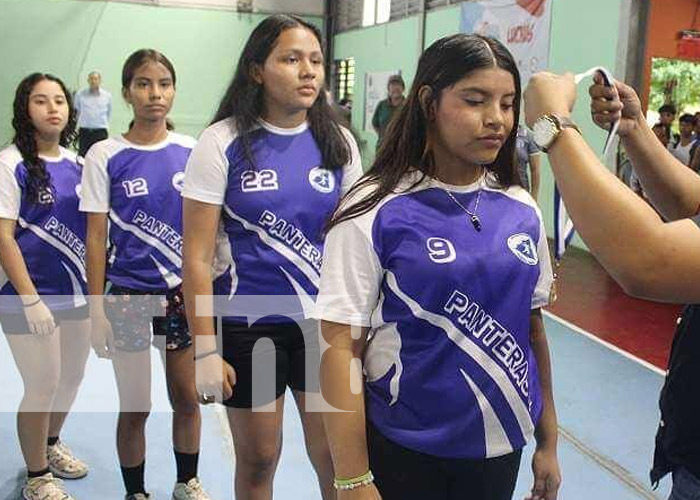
<point x="694" y="150"/>
<point x="345" y="110"/>
<point x="94" y="105"/>
<point x="667" y="115"/>
<point x="387" y="108"/>
<point x="682" y="146"/>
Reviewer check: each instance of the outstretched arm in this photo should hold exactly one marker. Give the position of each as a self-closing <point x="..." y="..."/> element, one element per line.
<point x="648" y="257"/>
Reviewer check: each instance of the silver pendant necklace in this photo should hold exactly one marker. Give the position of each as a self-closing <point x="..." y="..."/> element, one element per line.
<point x="473" y="217"/>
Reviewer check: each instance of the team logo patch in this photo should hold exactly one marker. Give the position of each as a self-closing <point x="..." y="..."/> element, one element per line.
<point x="322" y="180"/>
<point x="524" y="248"/>
<point x="179" y="181"/>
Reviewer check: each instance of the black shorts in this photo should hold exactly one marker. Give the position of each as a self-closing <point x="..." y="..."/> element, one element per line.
<point x="404" y="474"/>
<point x="16" y="323"/>
<point x="89" y="136"/>
<point x="280" y="361"/>
<point x="134" y="313"/>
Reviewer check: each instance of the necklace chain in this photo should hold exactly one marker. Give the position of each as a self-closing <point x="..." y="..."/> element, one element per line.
<point x="473" y="217"/>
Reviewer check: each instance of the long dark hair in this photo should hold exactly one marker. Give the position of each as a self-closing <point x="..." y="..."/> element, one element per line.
<point x="243" y="100"/>
<point x="141" y="57"/>
<point x="138" y="59"/>
<point x="24" y="139"/>
<point x="403" y="147"/>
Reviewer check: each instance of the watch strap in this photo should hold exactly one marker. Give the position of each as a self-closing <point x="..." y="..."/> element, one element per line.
<point x="560" y="122"/>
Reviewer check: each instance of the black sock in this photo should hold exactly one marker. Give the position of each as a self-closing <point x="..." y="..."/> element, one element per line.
<point x="133" y="479"/>
<point x="186" y="466"/>
<point x="38" y="473"/>
<point x="53" y="440"/>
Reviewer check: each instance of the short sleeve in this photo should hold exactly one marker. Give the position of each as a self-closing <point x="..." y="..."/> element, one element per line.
<point x="10" y="193"/>
<point x="95" y="182"/>
<point x="543" y="288"/>
<point x="353" y="170"/>
<point x="350" y="277"/>
<point x="206" y="173"/>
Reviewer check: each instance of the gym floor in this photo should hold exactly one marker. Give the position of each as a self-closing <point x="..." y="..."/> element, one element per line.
<point x="608" y="354"/>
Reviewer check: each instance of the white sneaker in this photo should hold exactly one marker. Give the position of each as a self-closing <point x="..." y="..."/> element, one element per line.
<point x="63" y="464"/>
<point x="45" y="487"/>
<point x="192" y="490"/>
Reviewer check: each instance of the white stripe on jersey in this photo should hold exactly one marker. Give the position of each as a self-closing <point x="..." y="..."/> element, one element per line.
<point x="489" y="365"/>
<point x="384" y="352"/>
<point x="78" y="296"/>
<point x="171" y="279"/>
<point x="56" y="243"/>
<point x="307" y="303"/>
<point x="497" y="443"/>
<point x="147" y="238"/>
<point x="311" y="274"/>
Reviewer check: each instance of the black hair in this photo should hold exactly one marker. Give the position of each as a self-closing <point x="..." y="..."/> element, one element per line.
<point x="141" y="57"/>
<point x="687" y="118"/>
<point x="24" y="139"/>
<point x="138" y="59"/>
<point x="396" y="79"/>
<point x="403" y="147"/>
<point x="667" y="108"/>
<point x="243" y="100"/>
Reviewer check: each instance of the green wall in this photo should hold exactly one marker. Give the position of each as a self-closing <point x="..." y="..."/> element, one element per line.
<point x="575" y="46"/>
<point x="72" y="37"/>
<point x="385" y="47"/>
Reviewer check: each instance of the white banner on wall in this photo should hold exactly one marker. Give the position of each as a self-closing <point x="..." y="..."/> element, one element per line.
<point x="522" y="25"/>
<point x="375" y="91"/>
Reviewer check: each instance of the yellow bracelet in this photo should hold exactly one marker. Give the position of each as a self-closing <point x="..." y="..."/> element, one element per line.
<point x="354" y="482"/>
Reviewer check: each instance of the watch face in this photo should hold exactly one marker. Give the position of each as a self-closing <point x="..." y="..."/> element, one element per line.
<point x="544" y="131"/>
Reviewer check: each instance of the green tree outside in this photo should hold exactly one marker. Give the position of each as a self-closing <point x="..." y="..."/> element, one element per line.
<point x="676" y="81"/>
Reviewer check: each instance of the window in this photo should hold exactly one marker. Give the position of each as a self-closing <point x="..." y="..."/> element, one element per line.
<point x="352" y="14"/>
<point x="345" y="78"/>
<point x="375" y="12"/>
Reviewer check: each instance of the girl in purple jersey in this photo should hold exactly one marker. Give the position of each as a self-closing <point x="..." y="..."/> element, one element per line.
<point x="42" y="305"/>
<point x="269" y="171"/>
<point x="134" y="182"/>
<point x="433" y="257"/>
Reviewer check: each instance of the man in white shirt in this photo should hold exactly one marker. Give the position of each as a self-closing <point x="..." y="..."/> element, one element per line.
<point x="680" y="147"/>
<point x="94" y="105"/>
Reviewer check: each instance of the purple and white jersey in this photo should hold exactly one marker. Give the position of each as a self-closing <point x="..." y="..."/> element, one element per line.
<point x="271" y="237"/>
<point x="449" y="369"/>
<point x="139" y="187"/>
<point x="50" y="233"/>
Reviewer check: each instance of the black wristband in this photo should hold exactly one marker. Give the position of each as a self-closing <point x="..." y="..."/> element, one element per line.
<point x="33" y="303"/>
<point x="203" y="355"/>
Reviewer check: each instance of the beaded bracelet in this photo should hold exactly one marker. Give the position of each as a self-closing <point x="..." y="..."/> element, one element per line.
<point x="354" y="482"/>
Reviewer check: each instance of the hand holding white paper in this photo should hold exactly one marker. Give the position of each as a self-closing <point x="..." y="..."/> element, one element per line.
<point x="609" y="81"/>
